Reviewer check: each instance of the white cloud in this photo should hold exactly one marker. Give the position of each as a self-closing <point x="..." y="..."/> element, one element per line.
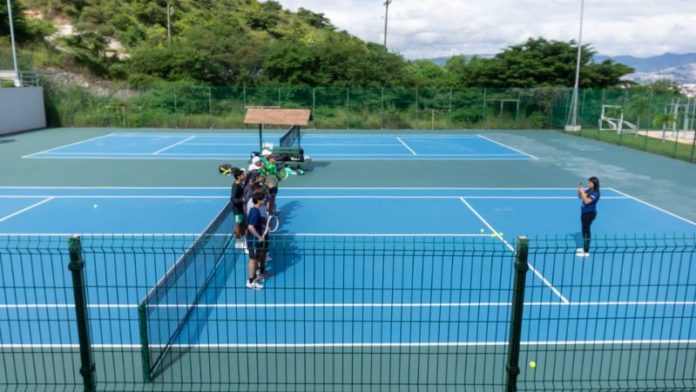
<point x="426" y="28"/>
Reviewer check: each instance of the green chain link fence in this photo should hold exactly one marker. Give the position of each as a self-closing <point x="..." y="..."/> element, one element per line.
<point x="651" y="122"/>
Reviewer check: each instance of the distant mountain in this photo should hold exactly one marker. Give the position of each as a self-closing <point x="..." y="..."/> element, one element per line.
<point x="680" y="68"/>
<point x="651" y="64"/>
<point x="683" y="74"/>
<point x="442" y="60"/>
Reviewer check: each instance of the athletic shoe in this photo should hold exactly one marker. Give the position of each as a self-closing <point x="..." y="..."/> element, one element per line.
<point x="256" y="285"/>
<point x="578" y="251"/>
<point x="582" y="254"/>
<point x="239" y="244"/>
<point x="262" y="277"/>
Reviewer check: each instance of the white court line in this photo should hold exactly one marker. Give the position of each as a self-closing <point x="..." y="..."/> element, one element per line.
<point x="327" y="197"/>
<point x="107" y="235"/>
<point x="406" y="145"/>
<point x="26" y="209"/>
<point x="362" y="305"/>
<point x="67" y="145"/>
<point x="113" y="197"/>
<point x="303" y="188"/>
<point x="249" y="144"/>
<point x="447" y="235"/>
<point x="531" y="266"/>
<point x="174" y="145"/>
<point x="655" y="207"/>
<point x="508" y="147"/>
<point x="409" y="344"/>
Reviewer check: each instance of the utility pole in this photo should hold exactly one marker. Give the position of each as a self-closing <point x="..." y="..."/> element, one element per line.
<point x="386" y="18"/>
<point x="14" y="49"/>
<point x="573" y="117"/>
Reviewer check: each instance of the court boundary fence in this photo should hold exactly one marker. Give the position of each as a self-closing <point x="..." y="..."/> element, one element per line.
<point x="355" y="108"/>
<point x="526" y="315"/>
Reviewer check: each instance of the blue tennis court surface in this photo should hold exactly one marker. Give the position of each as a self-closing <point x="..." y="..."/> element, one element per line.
<point x="133" y="145"/>
<point x="316" y="286"/>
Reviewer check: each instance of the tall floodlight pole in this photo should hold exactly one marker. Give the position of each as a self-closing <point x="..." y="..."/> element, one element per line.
<point x="386" y="18"/>
<point x="573" y="117"/>
<point x="14" y="50"/>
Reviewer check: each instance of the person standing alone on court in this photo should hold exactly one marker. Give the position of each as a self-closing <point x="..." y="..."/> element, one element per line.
<point x="588" y="213"/>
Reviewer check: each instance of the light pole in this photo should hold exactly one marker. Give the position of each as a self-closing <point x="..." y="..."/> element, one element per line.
<point x="14" y="50"/>
<point x="573" y="116"/>
<point x="386" y="17"/>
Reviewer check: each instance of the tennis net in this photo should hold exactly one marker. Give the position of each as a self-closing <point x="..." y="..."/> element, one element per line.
<point x="167" y="306"/>
<point x="291" y="138"/>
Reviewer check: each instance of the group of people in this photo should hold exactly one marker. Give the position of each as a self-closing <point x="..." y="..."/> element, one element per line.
<point x="253" y="201"/>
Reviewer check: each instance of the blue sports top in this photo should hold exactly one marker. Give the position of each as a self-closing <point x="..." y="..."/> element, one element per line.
<point x="592" y="207"/>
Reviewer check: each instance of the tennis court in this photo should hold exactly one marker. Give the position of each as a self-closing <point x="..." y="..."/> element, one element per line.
<point x="384" y="287"/>
<point x="500" y="214"/>
<point x="162" y="145"/>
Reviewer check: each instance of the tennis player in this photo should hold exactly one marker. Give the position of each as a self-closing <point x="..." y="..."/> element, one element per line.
<point x="238" y="208"/>
<point x="255" y="241"/>
<point x="588" y="212"/>
<point x="270" y="172"/>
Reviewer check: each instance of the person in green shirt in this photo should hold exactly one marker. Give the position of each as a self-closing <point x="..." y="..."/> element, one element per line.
<point x="270" y="172"/>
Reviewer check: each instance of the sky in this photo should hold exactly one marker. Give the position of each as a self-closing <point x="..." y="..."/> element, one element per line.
<point x="430" y="29"/>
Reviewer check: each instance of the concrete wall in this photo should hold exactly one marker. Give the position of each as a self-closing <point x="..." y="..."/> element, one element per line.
<point x="21" y="109"/>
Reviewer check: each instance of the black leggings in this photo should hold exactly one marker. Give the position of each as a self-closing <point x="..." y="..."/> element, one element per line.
<point x="586" y="220"/>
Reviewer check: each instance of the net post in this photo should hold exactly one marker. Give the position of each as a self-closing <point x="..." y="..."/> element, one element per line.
<point x="513" y="357"/>
<point x="76" y="267"/>
<point x="144" y="342"/>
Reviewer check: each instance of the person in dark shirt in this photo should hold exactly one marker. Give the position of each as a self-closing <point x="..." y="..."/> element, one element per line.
<point x="588" y="213"/>
<point x="255" y="241"/>
<point x="238" y="208"/>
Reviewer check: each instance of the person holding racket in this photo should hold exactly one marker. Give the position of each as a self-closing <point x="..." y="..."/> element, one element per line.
<point x="237" y="199"/>
<point x="270" y="171"/>
<point x="256" y="231"/>
<point x="588" y="212"/>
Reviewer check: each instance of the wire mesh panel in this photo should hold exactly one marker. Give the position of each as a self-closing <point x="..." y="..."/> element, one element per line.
<point x="627" y="319"/>
<point x="340" y="313"/>
<point x="38" y="337"/>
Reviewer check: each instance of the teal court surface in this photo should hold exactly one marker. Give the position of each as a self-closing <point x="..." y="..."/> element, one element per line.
<point x="391" y="287"/>
<point x="316" y="286"/>
<point x="134" y="145"/>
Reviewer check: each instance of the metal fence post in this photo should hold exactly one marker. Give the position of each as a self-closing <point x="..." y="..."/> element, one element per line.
<point x="145" y="345"/>
<point x="521" y="268"/>
<point x="76" y="267"/>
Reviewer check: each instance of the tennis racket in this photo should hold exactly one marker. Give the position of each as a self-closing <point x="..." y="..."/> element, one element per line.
<point x="282" y="174"/>
<point x="272" y="224"/>
<point x="226" y="169"/>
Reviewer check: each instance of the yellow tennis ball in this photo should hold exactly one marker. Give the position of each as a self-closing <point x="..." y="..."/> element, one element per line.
<point x="532" y="364"/>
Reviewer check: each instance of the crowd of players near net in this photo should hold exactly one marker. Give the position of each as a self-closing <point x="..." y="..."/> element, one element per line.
<point x="253" y="204"/>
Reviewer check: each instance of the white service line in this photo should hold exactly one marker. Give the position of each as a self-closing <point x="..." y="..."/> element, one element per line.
<point x="508" y="147"/>
<point x="26" y="209"/>
<point x="67" y="145"/>
<point x="406" y="145"/>
<point x="654" y="206"/>
<point x="507" y="244"/>
<point x="174" y="145"/>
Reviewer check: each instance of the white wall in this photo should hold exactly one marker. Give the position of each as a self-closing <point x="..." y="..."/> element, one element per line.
<point x="21" y="109"/>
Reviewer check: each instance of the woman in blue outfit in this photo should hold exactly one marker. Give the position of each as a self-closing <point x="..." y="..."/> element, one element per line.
<point x="588" y="213"/>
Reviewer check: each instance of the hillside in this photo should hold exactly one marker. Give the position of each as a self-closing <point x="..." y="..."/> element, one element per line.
<point x="251" y="43"/>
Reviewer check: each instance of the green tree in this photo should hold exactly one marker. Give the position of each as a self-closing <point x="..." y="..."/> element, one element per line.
<point x="537" y="63"/>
